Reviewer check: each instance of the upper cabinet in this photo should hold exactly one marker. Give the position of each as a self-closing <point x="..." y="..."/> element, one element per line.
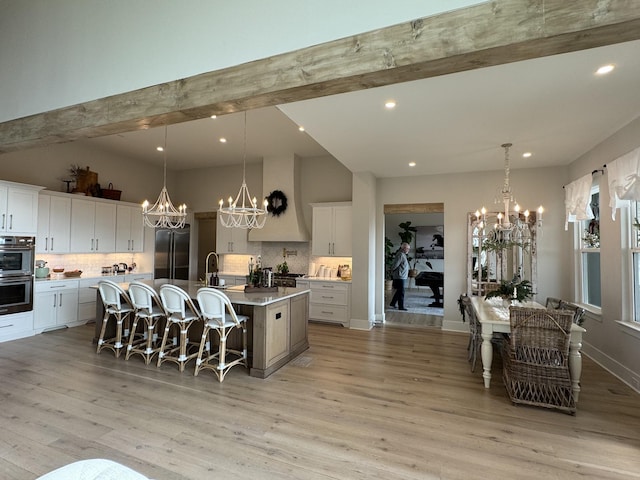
<point x="54" y="224"/>
<point x="331" y="235"/>
<point x="129" y="229"/>
<point x="93" y="226"/>
<point x="231" y="240"/>
<point x="18" y="209"/>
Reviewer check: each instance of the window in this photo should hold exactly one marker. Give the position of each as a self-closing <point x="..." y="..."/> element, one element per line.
<point x="589" y="262"/>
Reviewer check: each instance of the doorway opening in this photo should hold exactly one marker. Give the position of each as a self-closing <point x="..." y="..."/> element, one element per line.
<point x="424" y="289"/>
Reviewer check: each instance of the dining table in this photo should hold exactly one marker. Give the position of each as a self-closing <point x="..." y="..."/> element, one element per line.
<point x="494" y="318"/>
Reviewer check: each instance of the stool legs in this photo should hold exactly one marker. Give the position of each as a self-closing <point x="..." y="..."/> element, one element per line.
<point x="176" y="353"/>
<point x="145" y="346"/>
<point x="218" y="361"/>
<point x="114" y="343"/>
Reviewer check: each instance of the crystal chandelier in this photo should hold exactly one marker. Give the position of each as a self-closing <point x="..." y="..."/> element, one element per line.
<point x="243" y="212"/>
<point x="163" y="214"/>
<point x="510" y="225"/>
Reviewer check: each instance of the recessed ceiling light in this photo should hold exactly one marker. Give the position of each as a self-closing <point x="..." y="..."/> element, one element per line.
<point x="160" y="149"/>
<point x="223" y="140"/>
<point x="301" y="128"/>
<point x="390" y="104"/>
<point x="214" y="116"/>
<point x="412" y="164"/>
<point x="526" y="154"/>
<point x="603" y="70"/>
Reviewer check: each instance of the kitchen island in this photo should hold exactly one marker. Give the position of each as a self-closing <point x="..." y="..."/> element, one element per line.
<point x="277" y="322"/>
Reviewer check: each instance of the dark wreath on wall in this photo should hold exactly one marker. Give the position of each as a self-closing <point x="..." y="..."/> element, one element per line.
<point x="276" y="203"/>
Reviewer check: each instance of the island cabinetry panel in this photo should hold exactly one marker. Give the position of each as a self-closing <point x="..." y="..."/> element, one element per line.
<point x="231" y="240"/>
<point x="18" y="209"/>
<point x="129" y="229"/>
<point x="54" y="224"/>
<point x="330" y="302"/>
<point x="93" y="226"/>
<point x="298" y="331"/>
<point x="270" y="335"/>
<point x="331" y="226"/>
<point x="55" y="304"/>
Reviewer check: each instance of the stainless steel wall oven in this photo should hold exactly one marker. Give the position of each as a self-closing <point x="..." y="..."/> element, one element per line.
<point x="16" y="274"/>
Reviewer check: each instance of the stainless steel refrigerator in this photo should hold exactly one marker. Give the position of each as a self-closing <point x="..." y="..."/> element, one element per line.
<point x="172" y="253"/>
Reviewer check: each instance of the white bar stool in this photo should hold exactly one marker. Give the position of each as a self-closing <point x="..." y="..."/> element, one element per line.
<point x="149" y="310"/>
<point x="219" y="315"/>
<point x="181" y="314"/>
<point x="117" y="305"/>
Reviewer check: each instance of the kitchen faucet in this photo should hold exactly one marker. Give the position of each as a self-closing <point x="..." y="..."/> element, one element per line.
<point x="206" y="265"/>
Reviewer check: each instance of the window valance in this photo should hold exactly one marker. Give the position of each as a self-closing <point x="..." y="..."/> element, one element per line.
<point x="624" y="179"/>
<point x="577" y="196"/>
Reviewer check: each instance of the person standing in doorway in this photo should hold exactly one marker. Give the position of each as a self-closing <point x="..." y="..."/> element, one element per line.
<point x="400" y="268"/>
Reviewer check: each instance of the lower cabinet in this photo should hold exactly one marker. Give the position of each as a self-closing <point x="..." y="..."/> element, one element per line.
<point x="231" y="280"/>
<point x="330" y="302"/>
<point x="88" y="294"/>
<point x="55" y="304"/>
<point x="16" y="325"/>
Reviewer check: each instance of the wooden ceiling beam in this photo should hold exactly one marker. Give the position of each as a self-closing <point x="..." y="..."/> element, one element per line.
<point x="488" y="34"/>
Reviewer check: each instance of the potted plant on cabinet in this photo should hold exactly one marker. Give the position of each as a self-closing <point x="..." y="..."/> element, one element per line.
<point x="389" y="253"/>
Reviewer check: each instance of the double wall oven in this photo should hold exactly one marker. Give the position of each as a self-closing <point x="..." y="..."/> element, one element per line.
<point x="16" y="274"/>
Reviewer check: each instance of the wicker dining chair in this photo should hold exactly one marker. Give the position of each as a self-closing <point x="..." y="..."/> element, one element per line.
<point x="578" y="312"/>
<point x="553" y="302"/>
<point x="475" y="331"/>
<point x="536" y="358"/>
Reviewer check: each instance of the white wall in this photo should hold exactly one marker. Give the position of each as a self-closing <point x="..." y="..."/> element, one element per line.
<point x="612" y="343"/>
<point x="66" y="52"/>
<point x="47" y="166"/>
<point x="463" y="193"/>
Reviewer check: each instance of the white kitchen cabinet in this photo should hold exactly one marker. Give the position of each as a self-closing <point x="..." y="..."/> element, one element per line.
<point x="331" y="235"/>
<point x="231" y="280"/>
<point x="55" y="304"/>
<point x="330" y="301"/>
<point x="93" y="226"/>
<point x="129" y="229"/>
<point x="54" y="224"/>
<point x="18" y="209"/>
<point x="16" y="325"/>
<point x="231" y="240"/>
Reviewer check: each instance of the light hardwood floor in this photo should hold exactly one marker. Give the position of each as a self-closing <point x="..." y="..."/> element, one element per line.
<point x="391" y="403"/>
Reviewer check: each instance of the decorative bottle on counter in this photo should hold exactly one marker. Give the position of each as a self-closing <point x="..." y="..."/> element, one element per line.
<point x="215" y="281"/>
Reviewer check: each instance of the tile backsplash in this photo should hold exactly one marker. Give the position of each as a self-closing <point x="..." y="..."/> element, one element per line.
<point x="92" y="263"/>
<point x="297" y="255"/>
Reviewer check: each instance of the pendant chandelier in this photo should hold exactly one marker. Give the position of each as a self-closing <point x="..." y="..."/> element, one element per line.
<point x="163" y="214"/>
<point x="243" y="212"/>
<point x="510" y="225"/>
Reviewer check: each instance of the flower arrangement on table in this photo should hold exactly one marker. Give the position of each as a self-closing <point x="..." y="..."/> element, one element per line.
<point x="515" y="289"/>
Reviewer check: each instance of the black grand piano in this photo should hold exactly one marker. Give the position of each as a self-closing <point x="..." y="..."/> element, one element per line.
<point x="435" y="281"/>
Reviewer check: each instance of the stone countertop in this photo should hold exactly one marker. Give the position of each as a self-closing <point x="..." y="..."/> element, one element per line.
<point x="324" y="279"/>
<point x="117" y="277"/>
<point x="236" y="294"/>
